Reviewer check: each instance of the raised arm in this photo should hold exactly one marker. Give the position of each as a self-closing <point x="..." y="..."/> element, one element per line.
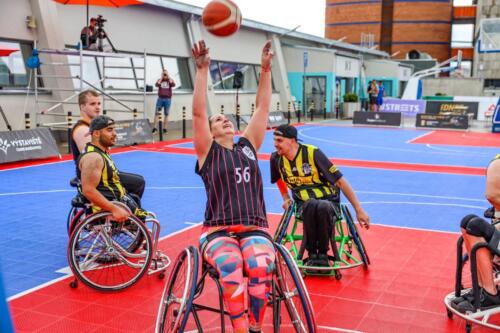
<point x="256" y="129"/>
<point x="201" y="131"/>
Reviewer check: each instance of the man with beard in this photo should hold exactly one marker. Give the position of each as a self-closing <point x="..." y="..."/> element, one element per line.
<point x="100" y="179"/>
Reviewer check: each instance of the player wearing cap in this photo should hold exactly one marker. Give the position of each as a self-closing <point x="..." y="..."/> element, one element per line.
<point x="99" y="176"/>
<point x="315" y="182"/>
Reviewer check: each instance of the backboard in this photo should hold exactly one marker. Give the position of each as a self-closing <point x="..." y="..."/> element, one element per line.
<point x="489" y="35"/>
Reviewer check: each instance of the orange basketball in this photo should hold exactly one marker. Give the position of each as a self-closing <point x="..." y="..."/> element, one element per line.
<point x="221" y="17"/>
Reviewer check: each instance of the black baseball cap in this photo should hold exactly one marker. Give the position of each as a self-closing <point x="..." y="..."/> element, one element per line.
<point x="286" y="131"/>
<point x="100" y="122"/>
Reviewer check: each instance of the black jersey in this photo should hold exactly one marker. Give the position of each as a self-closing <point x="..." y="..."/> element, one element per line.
<point x="233" y="183"/>
<point x="74" y="147"/>
<point x="109" y="186"/>
<point x="309" y="175"/>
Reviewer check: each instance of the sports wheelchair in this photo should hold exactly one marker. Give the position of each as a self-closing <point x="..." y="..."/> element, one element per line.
<point x="107" y="255"/>
<point x="347" y="247"/>
<point x="184" y="287"/>
<point x="479" y="316"/>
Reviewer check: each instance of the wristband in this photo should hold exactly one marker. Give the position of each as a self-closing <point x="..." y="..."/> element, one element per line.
<point x="282" y="187"/>
<point x="265" y="69"/>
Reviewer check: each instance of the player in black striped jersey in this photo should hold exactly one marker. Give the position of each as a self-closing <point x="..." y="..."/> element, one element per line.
<point x="235" y="201"/>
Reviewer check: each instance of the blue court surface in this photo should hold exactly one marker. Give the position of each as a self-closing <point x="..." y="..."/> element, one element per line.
<point x="35" y="200"/>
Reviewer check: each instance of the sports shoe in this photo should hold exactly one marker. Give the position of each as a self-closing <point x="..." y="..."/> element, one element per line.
<point x="322" y="260"/>
<point x="486" y="301"/>
<point x="312" y="259"/>
<point x="154" y="130"/>
<point x="468" y="296"/>
<point x="165" y="131"/>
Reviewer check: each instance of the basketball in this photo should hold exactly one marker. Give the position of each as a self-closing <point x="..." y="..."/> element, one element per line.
<point x="221" y="17"/>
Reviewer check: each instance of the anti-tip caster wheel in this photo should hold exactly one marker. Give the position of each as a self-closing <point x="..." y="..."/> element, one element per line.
<point x="73" y="284"/>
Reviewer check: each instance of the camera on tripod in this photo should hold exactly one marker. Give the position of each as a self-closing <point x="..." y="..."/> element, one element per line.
<point x="100" y="21"/>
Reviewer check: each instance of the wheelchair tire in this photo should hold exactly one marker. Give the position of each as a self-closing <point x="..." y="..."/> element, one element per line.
<point x="103" y="254"/>
<point x="292" y="290"/>
<point x="353" y="231"/>
<point x="282" y="228"/>
<point x="74" y="216"/>
<point x="178" y="295"/>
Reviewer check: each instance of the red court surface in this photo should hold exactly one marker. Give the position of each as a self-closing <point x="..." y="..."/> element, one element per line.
<point x="455" y="138"/>
<point x="402" y="291"/>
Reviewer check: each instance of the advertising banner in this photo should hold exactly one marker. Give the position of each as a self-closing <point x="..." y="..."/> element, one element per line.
<point x="27" y="145"/>
<point x="452" y="108"/>
<point x="496" y="118"/>
<point x="486" y="104"/>
<point x="442" y="121"/>
<point x="377" y="118"/>
<point x="131" y="132"/>
<point x="408" y="107"/>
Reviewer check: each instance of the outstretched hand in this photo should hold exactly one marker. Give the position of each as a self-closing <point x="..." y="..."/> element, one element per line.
<point x="200" y="55"/>
<point x="267" y="56"/>
<point x="363" y="219"/>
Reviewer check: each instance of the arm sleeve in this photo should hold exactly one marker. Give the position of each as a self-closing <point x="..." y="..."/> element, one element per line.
<point x="326" y="168"/>
<point x="275" y="173"/>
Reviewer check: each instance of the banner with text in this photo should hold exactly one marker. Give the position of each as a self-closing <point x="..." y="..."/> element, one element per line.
<point x="452" y="108"/>
<point x="27" y="145"/>
<point x="408" y="107"/>
<point x="442" y="121"/>
<point x="131" y="132"/>
<point x="376" y="118"/>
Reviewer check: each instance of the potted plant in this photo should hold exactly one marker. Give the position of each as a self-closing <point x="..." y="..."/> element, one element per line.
<point x="351" y="104"/>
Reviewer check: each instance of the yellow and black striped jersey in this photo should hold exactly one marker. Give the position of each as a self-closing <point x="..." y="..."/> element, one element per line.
<point x="109" y="186"/>
<point x="309" y="175"/>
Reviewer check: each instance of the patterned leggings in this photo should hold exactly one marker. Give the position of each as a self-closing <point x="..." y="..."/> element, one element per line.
<point x="231" y="257"/>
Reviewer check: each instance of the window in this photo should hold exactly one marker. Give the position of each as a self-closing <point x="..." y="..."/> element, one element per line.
<point x="462" y="35"/>
<point x="117" y="73"/>
<point x="178" y="69"/>
<point x="13" y="72"/>
<point x="128" y="73"/>
<point x="222" y="74"/>
<point x="89" y="71"/>
<point x="491" y="83"/>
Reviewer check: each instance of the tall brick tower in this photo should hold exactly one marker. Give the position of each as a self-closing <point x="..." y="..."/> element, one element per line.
<point x="394" y="25"/>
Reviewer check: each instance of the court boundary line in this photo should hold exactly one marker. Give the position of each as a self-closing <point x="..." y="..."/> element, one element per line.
<point x="48" y="283"/>
<point x="418" y="137"/>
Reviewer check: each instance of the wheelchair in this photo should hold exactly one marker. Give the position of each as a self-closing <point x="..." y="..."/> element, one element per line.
<point x="79" y="205"/>
<point x="180" y="297"/>
<point x="109" y="256"/>
<point x="482" y="317"/>
<point x="347" y="247"/>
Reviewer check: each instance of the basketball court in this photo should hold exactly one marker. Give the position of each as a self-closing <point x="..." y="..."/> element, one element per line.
<point x="416" y="186"/>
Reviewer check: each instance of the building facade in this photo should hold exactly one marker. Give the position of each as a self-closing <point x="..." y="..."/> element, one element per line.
<point x="394" y="26"/>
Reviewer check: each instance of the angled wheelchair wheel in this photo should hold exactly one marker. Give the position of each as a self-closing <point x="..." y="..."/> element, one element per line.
<point x="178" y="295"/>
<point x="106" y="255"/>
<point x="356" y="238"/>
<point x="292" y="291"/>
<point x="282" y="228"/>
<point x="74" y="216"/>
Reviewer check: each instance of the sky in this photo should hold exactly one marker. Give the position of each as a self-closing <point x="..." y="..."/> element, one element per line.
<point x="309" y="14"/>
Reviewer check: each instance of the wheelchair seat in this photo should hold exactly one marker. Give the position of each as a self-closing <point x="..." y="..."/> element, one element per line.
<point x="79" y="201"/>
<point x="182" y="299"/>
<point x="74" y="182"/>
<point x="346" y="246"/>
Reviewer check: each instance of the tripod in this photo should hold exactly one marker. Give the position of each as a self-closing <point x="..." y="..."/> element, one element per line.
<point x="101" y="35"/>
